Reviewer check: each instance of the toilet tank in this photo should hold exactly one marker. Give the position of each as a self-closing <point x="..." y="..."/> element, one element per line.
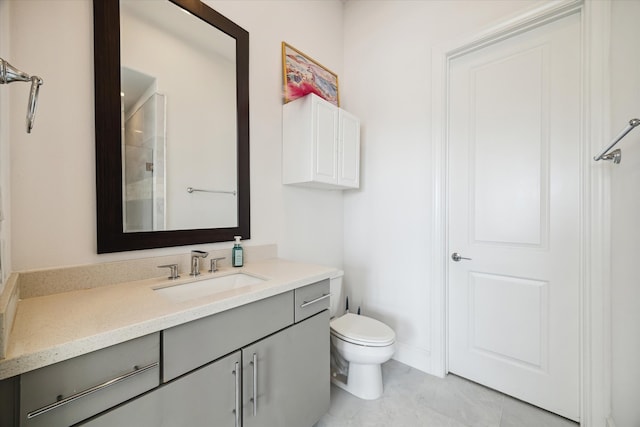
<point x="337" y="294"/>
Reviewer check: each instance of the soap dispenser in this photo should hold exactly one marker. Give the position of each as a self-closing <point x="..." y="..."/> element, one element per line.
<point x="237" y="257"/>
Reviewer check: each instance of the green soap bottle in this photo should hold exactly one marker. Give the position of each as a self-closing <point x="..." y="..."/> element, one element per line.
<point x="237" y="257"/>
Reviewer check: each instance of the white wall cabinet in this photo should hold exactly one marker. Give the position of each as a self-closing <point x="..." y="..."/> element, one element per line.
<point x="320" y="145"/>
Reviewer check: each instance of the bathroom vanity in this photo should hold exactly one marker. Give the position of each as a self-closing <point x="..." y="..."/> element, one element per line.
<point x="256" y="355"/>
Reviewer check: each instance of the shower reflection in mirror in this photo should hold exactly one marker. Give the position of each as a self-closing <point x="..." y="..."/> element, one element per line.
<point x="144" y="141"/>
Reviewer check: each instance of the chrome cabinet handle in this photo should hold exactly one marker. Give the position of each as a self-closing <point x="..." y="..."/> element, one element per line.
<point x="456" y="257"/>
<point x="313" y="301"/>
<point x="254" y="399"/>
<point x="81" y="394"/>
<point x="236" y="372"/>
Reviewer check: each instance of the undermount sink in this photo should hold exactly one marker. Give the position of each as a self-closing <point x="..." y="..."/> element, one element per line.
<point x="201" y="288"/>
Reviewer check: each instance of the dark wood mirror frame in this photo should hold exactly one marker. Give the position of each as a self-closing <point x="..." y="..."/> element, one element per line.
<point x="110" y="234"/>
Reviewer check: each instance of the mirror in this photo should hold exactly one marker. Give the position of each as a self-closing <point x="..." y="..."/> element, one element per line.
<point x="172" y="125"/>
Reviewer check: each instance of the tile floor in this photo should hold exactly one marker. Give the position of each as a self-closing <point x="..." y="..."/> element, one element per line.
<point x="413" y="399"/>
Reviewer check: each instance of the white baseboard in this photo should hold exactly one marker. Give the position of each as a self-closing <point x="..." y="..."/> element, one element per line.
<point x="415" y="357"/>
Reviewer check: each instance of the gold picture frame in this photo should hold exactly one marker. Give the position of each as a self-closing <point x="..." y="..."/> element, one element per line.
<point x="303" y="75"/>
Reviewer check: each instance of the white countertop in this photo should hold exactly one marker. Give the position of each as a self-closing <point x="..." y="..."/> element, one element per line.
<point x="51" y="328"/>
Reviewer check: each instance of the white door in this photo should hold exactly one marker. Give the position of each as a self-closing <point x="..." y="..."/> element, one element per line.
<point x="514" y="209"/>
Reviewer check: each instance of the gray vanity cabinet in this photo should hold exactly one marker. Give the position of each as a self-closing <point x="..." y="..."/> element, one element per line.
<point x="190" y="345"/>
<point x="70" y="391"/>
<point x="289" y="374"/>
<point x="287" y="371"/>
<point x="262" y="364"/>
<point x="205" y="397"/>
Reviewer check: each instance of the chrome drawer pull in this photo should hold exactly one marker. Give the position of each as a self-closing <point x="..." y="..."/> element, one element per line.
<point x="91" y="390"/>
<point x="313" y="301"/>
<point x="237" y="411"/>
<point x="254" y="399"/>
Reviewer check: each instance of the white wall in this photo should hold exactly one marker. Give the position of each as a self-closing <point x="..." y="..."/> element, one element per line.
<point x="387" y="83"/>
<point x="306" y="224"/>
<point x="53" y="172"/>
<point x="5" y="189"/>
<point x="625" y="213"/>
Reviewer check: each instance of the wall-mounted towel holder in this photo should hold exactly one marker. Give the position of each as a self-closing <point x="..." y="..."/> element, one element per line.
<point x="194" y="190"/>
<point x="10" y="74"/>
<point x="616" y="155"/>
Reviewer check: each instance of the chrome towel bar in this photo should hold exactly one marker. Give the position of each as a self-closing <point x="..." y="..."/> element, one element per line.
<point x="193" y="190"/>
<point x="10" y="74"/>
<point x="616" y="155"/>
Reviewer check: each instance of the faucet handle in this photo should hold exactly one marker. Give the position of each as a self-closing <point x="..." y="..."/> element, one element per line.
<point x="174" y="271"/>
<point x="214" y="264"/>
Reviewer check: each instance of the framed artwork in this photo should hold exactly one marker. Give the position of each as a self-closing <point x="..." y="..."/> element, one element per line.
<point x="302" y="76"/>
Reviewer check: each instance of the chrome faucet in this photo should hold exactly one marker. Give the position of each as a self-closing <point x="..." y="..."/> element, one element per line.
<point x="195" y="261"/>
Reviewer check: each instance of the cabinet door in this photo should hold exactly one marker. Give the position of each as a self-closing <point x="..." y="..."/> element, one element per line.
<point x="348" y="150"/>
<point x="325" y="141"/>
<point x="205" y="397"/>
<point x="8" y="401"/>
<point x="191" y="345"/>
<point x="292" y="374"/>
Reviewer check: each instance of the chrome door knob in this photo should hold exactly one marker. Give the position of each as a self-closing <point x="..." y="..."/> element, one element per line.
<point x="456" y="257"/>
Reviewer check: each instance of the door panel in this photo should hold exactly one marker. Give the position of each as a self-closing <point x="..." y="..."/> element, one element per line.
<point x="514" y="209"/>
<point x="508" y="132"/>
<point x="349" y="147"/>
<point x="325" y="140"/>
<point x="523" y="340"/>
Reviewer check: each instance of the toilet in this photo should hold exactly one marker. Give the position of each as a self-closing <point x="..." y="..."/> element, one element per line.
<point x="359" y="346"/>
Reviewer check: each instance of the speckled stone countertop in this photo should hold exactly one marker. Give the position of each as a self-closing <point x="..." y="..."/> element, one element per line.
<point x="50" y="328"/>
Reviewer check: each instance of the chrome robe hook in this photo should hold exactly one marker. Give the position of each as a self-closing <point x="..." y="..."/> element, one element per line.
<point x="10" y="74"/>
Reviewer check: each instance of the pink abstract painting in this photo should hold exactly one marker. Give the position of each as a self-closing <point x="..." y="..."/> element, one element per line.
<point x="303" y="75"/>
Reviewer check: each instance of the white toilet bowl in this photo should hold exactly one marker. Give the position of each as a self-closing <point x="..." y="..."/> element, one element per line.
<point x="365" y="344"/>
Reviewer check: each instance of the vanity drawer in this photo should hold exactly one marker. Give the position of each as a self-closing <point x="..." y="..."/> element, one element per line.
<point x="311" y="299"/>
<point x="70" y="391"/>
<point x="191" y="345"/>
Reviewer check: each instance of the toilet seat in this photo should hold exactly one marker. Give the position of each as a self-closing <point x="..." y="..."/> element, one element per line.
<point x="362" y="330"/>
